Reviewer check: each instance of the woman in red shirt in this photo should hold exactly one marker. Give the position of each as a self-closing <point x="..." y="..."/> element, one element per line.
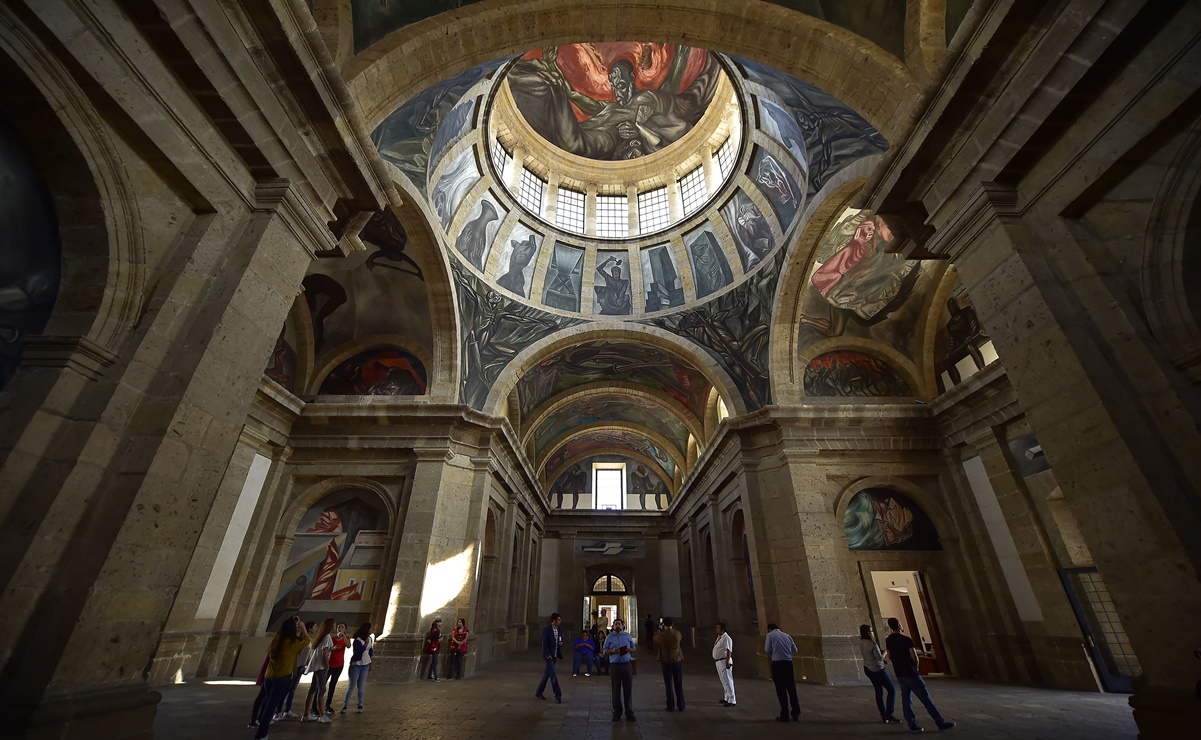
<point x="337" y="659"/>
<point x="458" y="648"/>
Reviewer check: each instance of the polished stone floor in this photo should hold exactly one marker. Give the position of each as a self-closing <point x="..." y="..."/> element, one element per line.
<point x="498" y="702"/>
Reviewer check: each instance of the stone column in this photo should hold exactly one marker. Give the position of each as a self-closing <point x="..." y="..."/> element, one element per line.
<point x="590" y="209"/>
<point x="632" y="200"/>
<point x="1119" y="452"/>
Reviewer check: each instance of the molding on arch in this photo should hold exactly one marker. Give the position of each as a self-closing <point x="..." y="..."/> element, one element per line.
<point x="313" y="494"/>
<point x="571" y="395"/>
<point x="868" y="79"/>
<point x="614" y="331"/>
<point x="672" y="486"/>
<point x="346" y="350"/>
<point x="943" y="523"/>
<point x="614" y="426"/>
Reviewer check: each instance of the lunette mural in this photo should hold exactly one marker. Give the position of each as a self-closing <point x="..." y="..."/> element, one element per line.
<point x="883" y="519"/>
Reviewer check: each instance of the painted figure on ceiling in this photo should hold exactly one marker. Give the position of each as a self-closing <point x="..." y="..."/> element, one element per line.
<point x="519" y="260"/>
<point x="612" y="290"/>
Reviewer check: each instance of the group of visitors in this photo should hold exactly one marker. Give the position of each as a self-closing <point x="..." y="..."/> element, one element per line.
<point x="298" y="649"/>
<point x="456" y="648"/>
<point x="617" y="650"/>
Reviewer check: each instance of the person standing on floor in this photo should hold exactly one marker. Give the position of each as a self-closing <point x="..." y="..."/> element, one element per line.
<point x="903" y="654"/>
<point x="648" y="633"/>
<point x="602" y="661"/>
<point x="584" y="651"/>
<point x="302" y="662"/>
<point x="671" y="658"/>
<point x="458" y="648"/>
<point x="337" y="661"/>
<point x="873" y="668"/>
<point x="780" y="648"/>
<point x="323" y="647"/>
<point x="433" y="646"/>
<point x="289" y="640"/>
<point x="552" y="650"/>
<point x="619" y="648"/>
<point x="723" y="658"/>
<point x="362" y="650"/>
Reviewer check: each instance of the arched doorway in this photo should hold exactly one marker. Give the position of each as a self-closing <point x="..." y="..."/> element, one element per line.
<point x="610" y="597"/>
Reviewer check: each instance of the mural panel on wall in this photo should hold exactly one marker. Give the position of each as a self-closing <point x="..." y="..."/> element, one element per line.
<point x="834" y="134"/>
<point x="483" y="221"/>
<point x="781" y="126"/>
<point x="611" y="286"/>
<point x="779" y="185"/>
<point x="564" y="278"/>
<point x="377" y="372"/>
<point x="851" y="373"/>
<point x="752" y="233"/>
<point x="572" y="485"/>
<point x="406" y="137"/>
<point x="600" y="408"/>
<point x="858" y="288"/>
<point x="516" y="269"/>
<point x="452" y="187"/>
<point x="614" y="100"/>
<point x="661" y="283"/>
<point x="282" y="366"/>
<point x="883" y="519"/>
<point x="614" y="362"/>
<point x="333" y="568"/>
<point x="602" y="441"/>
<point x="30" y="252"/>
<point x="457" y="123"/>
<point x="962" y="346"/>
<point x="493" y="330"/>
<point x="710" y="269"/>
<point x="645" y="489"/>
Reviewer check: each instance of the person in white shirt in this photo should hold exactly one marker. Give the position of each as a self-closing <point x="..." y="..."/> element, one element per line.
<point x="723" y="659"/>
<point x="323" y="646"/>
<point x="361" y="652"/>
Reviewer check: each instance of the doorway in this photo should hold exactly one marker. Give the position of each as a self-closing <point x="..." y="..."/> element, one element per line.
<point x="904" y="594"/>
<point x="610" y="599"/>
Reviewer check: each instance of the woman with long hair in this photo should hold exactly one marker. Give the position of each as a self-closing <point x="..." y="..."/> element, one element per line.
<point x="873" y="667"/>
<point x="298" y="671"/>
<point x="337" y="660"/>
<point x="323" y="645"/>
<point x="289" y="640"/>
<point x="458" y="648"/>
<point x="361" y="652"/>
<point x="433" y="645"/>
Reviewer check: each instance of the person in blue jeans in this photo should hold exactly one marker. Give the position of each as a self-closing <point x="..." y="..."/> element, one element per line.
<point x="903" y="654"/>
<point x="585" y="652"/>
<point x="873" y="668"/>
<point x="362" y="650"/>
<point x="552" y="651"/>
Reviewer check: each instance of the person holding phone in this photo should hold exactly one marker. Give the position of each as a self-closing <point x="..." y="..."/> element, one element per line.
<point x="620" y="647"/>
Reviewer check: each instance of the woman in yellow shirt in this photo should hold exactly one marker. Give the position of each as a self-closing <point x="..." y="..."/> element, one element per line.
<point x="281" y="657"/>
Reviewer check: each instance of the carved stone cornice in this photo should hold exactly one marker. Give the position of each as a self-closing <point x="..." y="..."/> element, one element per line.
<point x="79" y="354"/>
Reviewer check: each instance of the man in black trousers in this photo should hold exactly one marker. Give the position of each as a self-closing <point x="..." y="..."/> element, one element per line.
<point x="551" y="651"/>
<point x="780" y="648"/>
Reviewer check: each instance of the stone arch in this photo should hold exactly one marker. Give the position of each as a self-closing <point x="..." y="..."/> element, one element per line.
<point x="740" y="549"/>
<point x="310" y="496"/>
<point x="1170" y="257"/>
<point x="927" y="331"/>
<point x="613" y="331"/>
<point x="414" y="57"/>
<point x="648" y="395"/>
<point x="943" y="523"/>
<point x="361" y="344"/>
<point x="603" y="426"/>
<point x="333" y="17"/>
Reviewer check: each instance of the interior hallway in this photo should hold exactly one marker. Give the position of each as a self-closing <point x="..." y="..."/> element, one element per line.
<point x="497" y="702"/>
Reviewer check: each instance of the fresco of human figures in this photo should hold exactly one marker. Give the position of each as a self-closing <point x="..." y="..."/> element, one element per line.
<point x="646" y="491"/>
<point x="849" y="373"/>
<point x="883" y="519"/>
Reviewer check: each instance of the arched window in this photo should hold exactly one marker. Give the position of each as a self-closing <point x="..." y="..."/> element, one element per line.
<point x="609" y="584"/>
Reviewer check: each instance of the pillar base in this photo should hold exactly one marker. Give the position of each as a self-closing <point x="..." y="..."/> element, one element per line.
<point x="86" y="713"/>
<point x="1165" y="712"/>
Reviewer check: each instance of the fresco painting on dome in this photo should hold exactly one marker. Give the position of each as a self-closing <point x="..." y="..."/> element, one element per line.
<point x="564" y="278"/>
<point x="517" y="259"/>
<point x="752" y="233"/>
<point x="377" y="372"/>
<point x="962" y="346"/>
<point x="334" y="564"/>
<point x="647" y="488"/>
<point x="452" y="187"/>
<point x="851" y="373"/>
<point x="597" y="409"/>
<point x="615" y="440"/>
<point x="735" y="329"/>
<point x="883" y="519"/>
<point x="457" y="123"/>
<point x="406" y="137"/>
<point x="661" y="281"/>
<point x="611" y="285"/>
<point x="372" y="20"/>
<point x="385" y="235"/>
<point x="779" y="185"/>
<point x="614" y="100"/>
<point x="483" y="221"/>
<point x="371" y="292"/>
<point x="710" y="268"/>
<point x="781" y="126"/>
<point x="835" y="135"/>
<point x="282" y="366"/>
<point x="859" y="288"/>
<point x="30" y="252"/>
<point x="604" y="361"/>
<point x="493" y="330"/>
